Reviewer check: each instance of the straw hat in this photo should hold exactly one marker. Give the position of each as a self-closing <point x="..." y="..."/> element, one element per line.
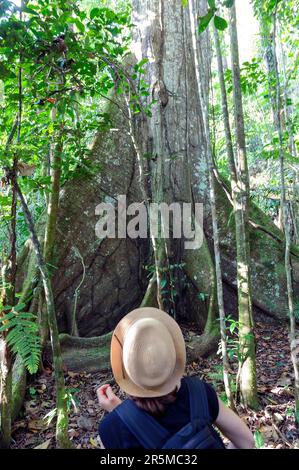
<point x="148" y="354"/>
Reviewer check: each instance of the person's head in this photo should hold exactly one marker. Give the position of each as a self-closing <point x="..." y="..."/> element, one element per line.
<point x="148" y="357"/>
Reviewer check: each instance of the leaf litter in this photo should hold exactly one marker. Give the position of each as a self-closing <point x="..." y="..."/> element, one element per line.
<point x="273" y="424"/>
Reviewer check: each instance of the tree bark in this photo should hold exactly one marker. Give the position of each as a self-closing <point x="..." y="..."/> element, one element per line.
<point x="8" y="299"/>
<point x="286" y="223"/>
<point x="52" y="216"/>
<point x="247" y="366"/>
<point x="170" y="74"/>
<point x="225" y="112"/>
<point x="204" y="110"/>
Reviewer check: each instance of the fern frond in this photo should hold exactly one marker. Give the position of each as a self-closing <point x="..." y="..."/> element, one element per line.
<point x="22" y="336"/>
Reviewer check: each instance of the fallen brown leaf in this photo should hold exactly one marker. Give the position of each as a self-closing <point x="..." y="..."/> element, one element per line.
<point x="44" y="445"/>
<point x="37" y="425"/>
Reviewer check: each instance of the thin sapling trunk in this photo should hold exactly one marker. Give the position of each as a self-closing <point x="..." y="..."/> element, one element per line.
<point x="61" y="403"/>
<point x="247" y="364"/>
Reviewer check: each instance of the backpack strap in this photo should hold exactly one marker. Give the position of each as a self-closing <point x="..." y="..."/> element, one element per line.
<point x="149" y="433"/>
<point x="199" y="406"/>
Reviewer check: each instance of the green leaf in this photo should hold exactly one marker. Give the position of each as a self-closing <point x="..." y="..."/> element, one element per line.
<point x="50" y="416"/>
<point x="80" y="26"/>
<point x="259" y="440"/>
<point x="202" y="296"/>
<point x="211" y="3"/>
<point x="228" y="3"/>
<point x="94" y="12"/>
<point x="142" y="62"/>
<point x="22" y="337"/>
<point x="184" y="3"/>
<point x="220" y="23"/>
<point x="5" y="72"/>
<point x="32" y="391"/>
<point x="19" y="307"/>
<point x="205" y="20"/>
<point x="29" y="10"/>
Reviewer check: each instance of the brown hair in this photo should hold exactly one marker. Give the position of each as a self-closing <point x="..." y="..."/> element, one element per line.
<point x="155" y="406"/>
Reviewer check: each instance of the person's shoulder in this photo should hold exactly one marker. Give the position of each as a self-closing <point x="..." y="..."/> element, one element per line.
<point x="183" y="386"/>
<point x="209" y="388"/>
<point x="212" y="400"/>
<point x="211" y="395"/>
<point x="207" y="385"/>
<point x="195" y="378"/>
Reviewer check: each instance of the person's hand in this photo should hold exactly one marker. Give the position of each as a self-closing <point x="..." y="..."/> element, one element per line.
<point x="107" y="399"/>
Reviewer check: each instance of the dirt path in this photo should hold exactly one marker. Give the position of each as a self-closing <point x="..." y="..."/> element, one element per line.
<point x="274" y="423"/>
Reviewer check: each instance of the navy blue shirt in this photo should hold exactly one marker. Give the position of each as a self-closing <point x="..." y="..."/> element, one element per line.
<point x="115" y="434"/>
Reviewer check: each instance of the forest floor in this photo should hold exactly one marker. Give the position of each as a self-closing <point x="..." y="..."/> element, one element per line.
<point x="273" y="424"/>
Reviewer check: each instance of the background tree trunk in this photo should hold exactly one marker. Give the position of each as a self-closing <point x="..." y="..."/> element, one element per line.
<point x="50" y="230"/>
<point x="286" y="223"/>
<point x="247" y="367"/>
<point x="204" y="109"/>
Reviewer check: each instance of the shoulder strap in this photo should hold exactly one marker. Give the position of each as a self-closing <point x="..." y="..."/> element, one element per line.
<point x="149" y="433"/>
<point x="199" y="406"/>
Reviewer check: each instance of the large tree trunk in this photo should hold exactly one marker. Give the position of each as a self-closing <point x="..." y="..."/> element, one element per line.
<point x="173" y="140"/>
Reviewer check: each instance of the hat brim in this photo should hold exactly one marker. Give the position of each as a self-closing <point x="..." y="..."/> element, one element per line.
<point x="116" y="353"/>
